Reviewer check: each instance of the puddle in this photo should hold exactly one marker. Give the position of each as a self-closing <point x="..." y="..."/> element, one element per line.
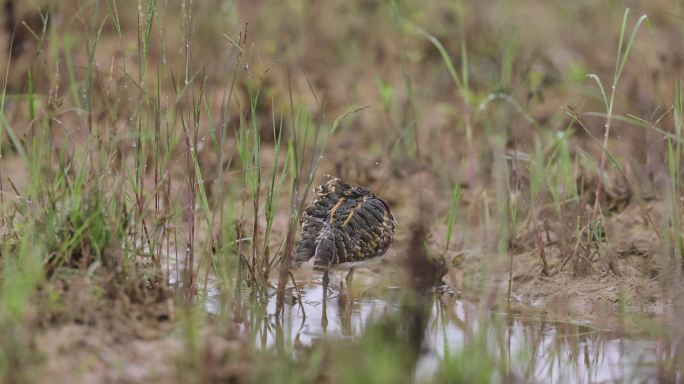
<point x="537" y="350"/>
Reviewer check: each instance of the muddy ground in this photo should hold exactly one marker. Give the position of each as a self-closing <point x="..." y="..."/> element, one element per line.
<point x="108" y="338"/>
<point x="89" y="324"/>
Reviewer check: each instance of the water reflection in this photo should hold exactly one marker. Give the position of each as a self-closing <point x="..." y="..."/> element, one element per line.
<point x="536" y="350"/>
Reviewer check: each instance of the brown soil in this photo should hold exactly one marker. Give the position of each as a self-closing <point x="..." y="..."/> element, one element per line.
<point x="617" y="288"/>
<point x="107" y="333"/>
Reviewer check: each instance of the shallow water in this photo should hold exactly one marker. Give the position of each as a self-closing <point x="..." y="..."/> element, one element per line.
<point x="535" y="349"/>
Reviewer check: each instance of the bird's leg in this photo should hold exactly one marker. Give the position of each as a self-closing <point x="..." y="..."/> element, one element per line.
<point x="324" y="315"/>
<point x="326" y="281"/>
<point x="349" y="277"/>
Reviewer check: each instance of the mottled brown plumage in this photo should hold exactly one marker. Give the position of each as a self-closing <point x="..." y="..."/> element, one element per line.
<point x="344" y="224"/>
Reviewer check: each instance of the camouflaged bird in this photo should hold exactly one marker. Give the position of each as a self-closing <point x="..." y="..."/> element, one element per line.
<point x="344" y="224"/>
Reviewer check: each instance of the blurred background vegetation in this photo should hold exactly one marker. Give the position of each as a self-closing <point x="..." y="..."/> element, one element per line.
<point x="155" y="156"/>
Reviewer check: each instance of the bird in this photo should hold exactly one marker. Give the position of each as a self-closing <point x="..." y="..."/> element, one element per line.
<point x="343" y="225"/>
